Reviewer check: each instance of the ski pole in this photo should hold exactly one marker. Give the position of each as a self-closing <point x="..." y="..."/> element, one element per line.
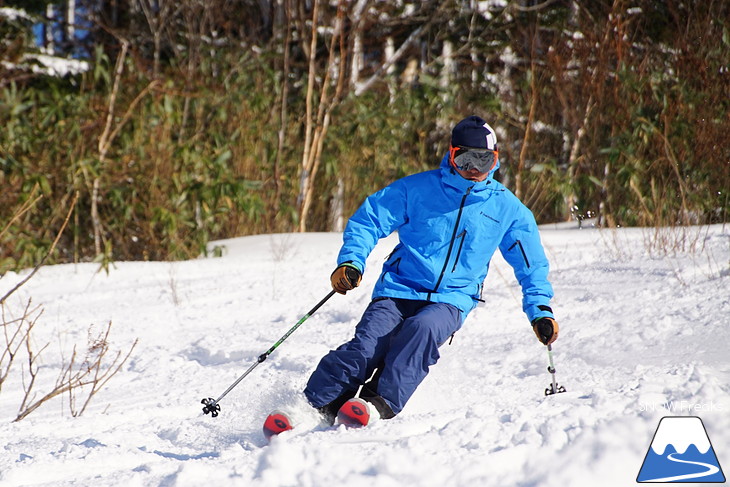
<point x="554" y="387"/>
<point x="211" y="405"/>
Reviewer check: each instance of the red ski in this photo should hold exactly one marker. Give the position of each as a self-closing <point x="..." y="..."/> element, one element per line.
<point x="355" y="413"/>
<point x="277" y="422"/>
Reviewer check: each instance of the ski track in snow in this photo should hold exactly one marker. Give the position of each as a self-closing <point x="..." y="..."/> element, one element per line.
<point x="711" y="469"/>
<point x="641" y="335"/>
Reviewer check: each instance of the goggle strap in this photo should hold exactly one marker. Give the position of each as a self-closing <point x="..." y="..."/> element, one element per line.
<point x="452" y="154"/>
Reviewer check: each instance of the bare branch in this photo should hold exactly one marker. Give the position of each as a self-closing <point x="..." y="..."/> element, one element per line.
<point x="367" y="84"/>
<point x="75" y="376"/>
<point x="48" y="254"/>
<point x="30" y="203"/>
<point x="14" y="340"/>
<point x="532" y="8"/>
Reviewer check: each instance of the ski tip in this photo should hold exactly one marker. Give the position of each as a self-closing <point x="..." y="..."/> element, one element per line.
<point x="277" y="422"/>
<point x="354" y="413"/>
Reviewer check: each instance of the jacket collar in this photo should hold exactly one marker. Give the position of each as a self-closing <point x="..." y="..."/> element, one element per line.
<point x="452" y="178"/>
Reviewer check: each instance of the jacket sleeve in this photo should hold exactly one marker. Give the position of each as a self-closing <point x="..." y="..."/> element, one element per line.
<point x="379" y="216"/>
<point x="522" y="249"/>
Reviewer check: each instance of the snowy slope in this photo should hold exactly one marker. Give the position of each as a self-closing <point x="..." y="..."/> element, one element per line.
<point x="642" y="337"/>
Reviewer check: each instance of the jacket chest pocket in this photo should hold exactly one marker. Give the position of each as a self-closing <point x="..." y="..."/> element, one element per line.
<point x="480" y="239"/>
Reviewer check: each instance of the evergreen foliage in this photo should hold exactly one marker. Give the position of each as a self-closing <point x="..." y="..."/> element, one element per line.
<point x="195" y="119"/>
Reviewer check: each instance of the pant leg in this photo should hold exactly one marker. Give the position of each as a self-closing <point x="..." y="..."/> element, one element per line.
<point x="413" y="349"/>
<point x="343" y="370"/>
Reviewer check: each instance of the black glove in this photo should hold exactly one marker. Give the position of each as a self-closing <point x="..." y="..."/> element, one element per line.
<point x="546" y="330"/>
<point x="345" y="278"/>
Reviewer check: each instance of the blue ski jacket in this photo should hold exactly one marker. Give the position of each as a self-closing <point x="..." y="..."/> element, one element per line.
<point x="449" y="228"/>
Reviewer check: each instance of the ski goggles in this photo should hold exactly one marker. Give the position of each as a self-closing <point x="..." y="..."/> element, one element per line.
<point x="468" y="158"/>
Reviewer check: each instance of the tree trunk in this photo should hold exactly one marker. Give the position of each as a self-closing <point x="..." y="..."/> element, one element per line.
<point x="357" y="59"/>
<point x="49" y="45"/>
<point x="337" y="208"/>
<point x="283" y="113"/>
<point x="70" y="31"/>
<point x="573" y="159"/>
<point x="334" y="68"/>
<point x="306" y="168"/>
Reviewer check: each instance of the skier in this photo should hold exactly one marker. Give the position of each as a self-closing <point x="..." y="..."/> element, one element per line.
<point x="449" y="221"/>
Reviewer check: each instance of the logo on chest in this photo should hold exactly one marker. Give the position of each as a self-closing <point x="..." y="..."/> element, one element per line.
<point x="489" y="217"/>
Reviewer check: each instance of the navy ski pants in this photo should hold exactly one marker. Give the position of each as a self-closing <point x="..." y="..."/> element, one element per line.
<point x="398" y="336"/>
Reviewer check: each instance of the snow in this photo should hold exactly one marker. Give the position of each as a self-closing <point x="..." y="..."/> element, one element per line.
<point x="643" y="336"/>
<point x="14" y="14"/>
<point x="56" y="66"/>
<point x="41" y="63"/>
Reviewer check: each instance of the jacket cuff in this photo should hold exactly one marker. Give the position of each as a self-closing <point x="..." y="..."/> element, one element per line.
<point x="351" y="264"/>
<point x="539" y="311"/>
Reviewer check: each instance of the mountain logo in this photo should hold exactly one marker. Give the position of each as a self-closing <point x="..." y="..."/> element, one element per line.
<point x="681" y="452"/>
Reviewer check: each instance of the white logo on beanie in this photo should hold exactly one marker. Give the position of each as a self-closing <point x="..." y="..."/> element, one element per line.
<point x="491" y="138"/>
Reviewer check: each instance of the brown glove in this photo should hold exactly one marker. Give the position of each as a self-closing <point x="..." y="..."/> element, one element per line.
<point x="345" y="278"/>
<point x="546" y="330"/>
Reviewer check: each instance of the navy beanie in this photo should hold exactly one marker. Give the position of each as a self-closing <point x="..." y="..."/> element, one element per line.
<point x="474" y="132"/>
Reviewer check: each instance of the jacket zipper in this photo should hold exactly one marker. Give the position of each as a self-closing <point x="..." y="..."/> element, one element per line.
<point x="522" y="249"/>
<point x="451" y="244"/>
<point x="462" y="236"/>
